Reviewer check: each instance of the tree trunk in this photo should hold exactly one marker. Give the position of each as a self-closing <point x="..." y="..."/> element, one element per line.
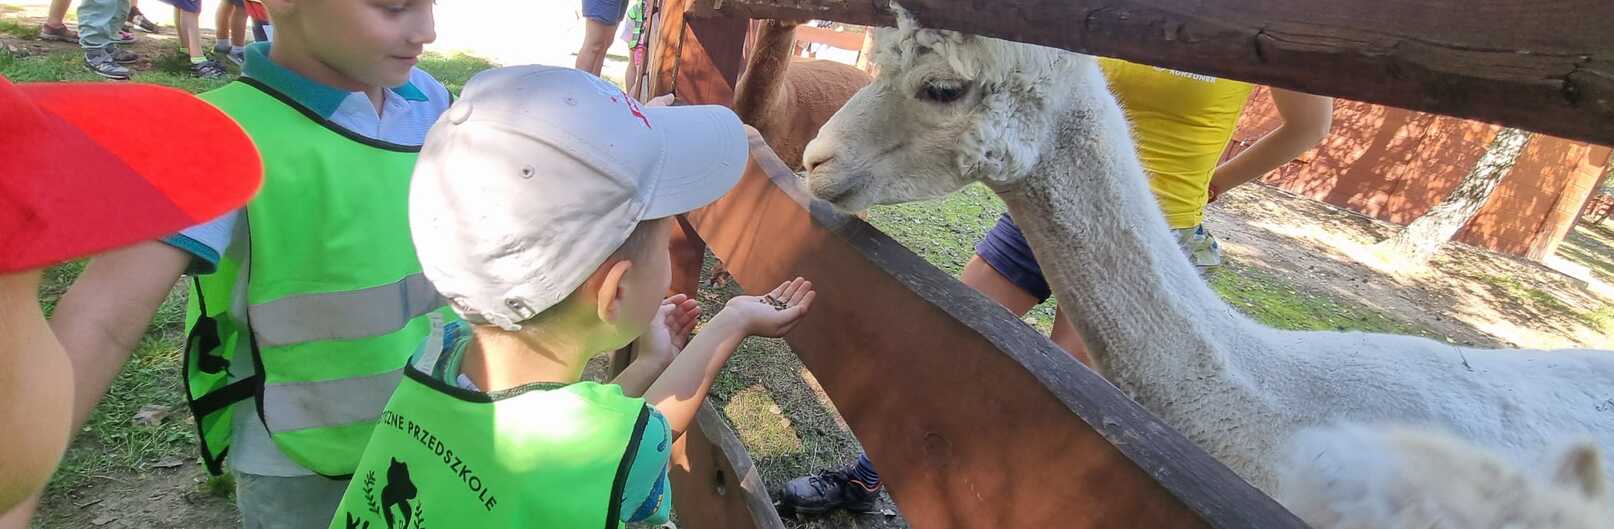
<point x="1598" y="206"/>
<point x="865" y="55"/>
<point x="1426" y="234"/>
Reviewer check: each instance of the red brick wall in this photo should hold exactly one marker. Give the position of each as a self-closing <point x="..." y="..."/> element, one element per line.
<point x="1395" y="164"/>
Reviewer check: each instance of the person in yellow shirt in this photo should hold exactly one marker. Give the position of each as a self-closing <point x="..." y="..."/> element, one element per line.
<point x="1181" y="123"/>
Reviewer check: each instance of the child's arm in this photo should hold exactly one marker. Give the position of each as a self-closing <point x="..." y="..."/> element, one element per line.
<point x="678" y="393"/>
<point x="102" y="317"/>
<point x="98" y="323"/>
<point x="653" y="351"/>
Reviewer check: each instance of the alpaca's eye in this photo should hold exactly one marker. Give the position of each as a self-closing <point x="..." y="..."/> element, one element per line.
<point x="944" y="90"/>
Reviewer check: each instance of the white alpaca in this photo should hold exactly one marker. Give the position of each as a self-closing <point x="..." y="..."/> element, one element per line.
<point x="1039" y="127"/>
<point x="1361" y="477"/>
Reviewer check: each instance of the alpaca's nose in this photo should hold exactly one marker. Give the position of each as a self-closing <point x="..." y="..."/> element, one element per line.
<point x="818" y="152"/>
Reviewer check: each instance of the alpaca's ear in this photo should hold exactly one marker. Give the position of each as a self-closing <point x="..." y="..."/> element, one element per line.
<point x="905" y="19"/>
<point x="1580" y="468"/>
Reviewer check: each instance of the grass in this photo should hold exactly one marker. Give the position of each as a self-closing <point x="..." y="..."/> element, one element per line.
<point x="111" y="446"/>
<point x="170" y="70"/>
<point x="1600" y="317"/>
<point x="1277" y="303"/>
<point x="173" y="69"/>
<point x="109" y="443"/>
<point x="18" y="29"/>
<point x="791" y="430"/>
<point x="944" y="232"/>
<point x="454" y="70"/>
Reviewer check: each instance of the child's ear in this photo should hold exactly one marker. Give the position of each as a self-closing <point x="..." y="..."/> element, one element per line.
<point x="608" y="302"/>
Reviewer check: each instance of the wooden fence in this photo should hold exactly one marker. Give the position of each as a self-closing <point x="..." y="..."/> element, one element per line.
<point x="975" y="419"/>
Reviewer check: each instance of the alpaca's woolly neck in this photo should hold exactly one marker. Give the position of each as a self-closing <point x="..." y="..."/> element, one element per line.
<point x="762" y="87"/>
<point x="1133" y="291"/>
<point x="1234" y="387"/>
<point x="1152" y="325"/>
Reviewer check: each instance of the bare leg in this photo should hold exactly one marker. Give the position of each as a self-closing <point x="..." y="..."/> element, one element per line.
<point x="58" y="12"/>
<point x="221" y="20"/>
<point x="190" y="31"/>
<point x="1067" y="338"/>
<point x="238" y="26"/>
<point x="986" y="280"/>
<point x="596" y="40"/>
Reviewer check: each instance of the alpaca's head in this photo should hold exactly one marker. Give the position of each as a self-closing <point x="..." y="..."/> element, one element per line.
<point x="1389" y="477"/>
<point x="947" y="109"/>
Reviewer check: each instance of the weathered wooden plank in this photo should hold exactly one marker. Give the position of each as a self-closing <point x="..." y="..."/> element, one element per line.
<point x="715" y="483"/>
<point x="666" y="36"/>
<point x="1541" y="65"/>
<point x="973" y="418"/>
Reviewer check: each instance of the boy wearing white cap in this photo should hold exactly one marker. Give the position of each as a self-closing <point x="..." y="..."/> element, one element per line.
<point x="540" y="209"/>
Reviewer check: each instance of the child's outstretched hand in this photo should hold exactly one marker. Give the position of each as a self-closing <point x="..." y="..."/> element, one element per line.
<point x="775" y="314"/>
<point x="669" y="330"/>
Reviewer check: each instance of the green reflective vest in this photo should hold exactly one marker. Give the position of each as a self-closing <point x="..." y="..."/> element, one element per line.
<point x="539" y="455"/>
<point x="327" y="296"/>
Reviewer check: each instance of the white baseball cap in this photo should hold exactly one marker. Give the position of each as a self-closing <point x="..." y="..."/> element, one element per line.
<point x="537" y="174"/>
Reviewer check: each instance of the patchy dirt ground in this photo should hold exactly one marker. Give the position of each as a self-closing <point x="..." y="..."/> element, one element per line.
<point x="150" y="46"/>
<point x="1469" y="295"/>
<point x="171" y="498"/>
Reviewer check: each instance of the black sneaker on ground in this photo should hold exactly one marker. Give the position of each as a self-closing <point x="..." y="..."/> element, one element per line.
<point x="209" y="70"/>
<point x="827" y="490"/>
<point x="101" y="62"/>
<point x="122" y="56"/>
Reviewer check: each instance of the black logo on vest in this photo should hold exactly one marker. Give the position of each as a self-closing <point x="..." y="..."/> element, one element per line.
<point x="399" y="505"/>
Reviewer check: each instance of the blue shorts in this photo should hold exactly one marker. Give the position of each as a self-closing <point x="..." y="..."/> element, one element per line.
<point x="608" y="12"/>
<point x="1005" y="249"/>
<point x="191" y="6"/>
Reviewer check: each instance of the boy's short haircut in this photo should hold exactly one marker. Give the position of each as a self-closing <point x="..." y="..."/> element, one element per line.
<point x="639" y="244"/>
<point x="538" y="174"/>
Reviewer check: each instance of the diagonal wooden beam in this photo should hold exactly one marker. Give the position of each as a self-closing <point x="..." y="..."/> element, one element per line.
<point x="1541" y="65"/>
<point x="972" y="417"/>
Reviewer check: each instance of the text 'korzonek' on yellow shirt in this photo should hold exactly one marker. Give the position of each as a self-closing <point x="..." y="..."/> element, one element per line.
<point x="1181" y="123"/>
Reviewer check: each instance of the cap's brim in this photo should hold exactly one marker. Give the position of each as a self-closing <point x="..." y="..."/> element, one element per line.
<point x="706" y="152"/>
<point x="119" y="164"/>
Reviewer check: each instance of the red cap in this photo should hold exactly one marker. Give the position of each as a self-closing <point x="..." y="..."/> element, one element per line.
<point x="88" y="167"/>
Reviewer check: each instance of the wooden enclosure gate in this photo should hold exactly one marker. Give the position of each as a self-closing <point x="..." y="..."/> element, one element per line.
<point x="977" y="420"/>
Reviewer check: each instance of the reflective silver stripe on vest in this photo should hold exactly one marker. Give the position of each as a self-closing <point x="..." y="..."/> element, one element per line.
<point x="373" y="311"/>
<point x="293" y="406"/>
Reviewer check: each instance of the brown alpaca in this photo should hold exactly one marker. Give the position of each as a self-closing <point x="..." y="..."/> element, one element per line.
<point x="787" y="101"/>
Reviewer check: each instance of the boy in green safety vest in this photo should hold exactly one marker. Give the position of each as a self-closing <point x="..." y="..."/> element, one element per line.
<point x="304" y="304"/>
<point x="540" y="207"/>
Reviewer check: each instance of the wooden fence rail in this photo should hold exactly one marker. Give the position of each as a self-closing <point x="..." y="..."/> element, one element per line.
<point x="973" y="418"/>
<point x="1541" y="65"/>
